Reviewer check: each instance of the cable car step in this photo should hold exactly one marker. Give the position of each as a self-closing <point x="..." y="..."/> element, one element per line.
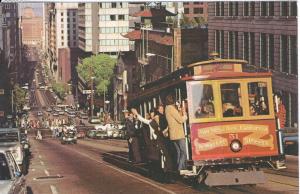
<point x="235" y="178"/>
<point x="187" y="173"/>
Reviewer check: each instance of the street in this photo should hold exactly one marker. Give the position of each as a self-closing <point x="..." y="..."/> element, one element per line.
<point x="149" y="98"/>
<point x="100" y="166"/>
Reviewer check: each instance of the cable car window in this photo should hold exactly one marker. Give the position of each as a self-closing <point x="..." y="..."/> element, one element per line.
<point x="258" y="98"/>
<point x="203" y="105"/>
<point x="231" y="100"/>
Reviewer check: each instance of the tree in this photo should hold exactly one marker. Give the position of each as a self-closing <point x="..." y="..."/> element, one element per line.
<point x="19" y="98"/>
<point x="99" y="66"/>
<point x="59" y="89"/>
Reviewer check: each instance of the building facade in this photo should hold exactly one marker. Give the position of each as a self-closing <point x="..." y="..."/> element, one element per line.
<point x="62" y="36"/>
<point x="31" y="27"/>
<point x="194" y="10"/>
<point x="101" y="25"/>
<point x="10" y="55"/>
<point x="265" y="34"/>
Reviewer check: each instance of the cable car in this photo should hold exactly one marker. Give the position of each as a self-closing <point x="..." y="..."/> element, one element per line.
<point x="231" y="132"/>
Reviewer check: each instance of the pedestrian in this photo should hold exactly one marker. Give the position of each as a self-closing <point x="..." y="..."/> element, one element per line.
<point x="175" y="121"/>
<point x="134" y="154"/>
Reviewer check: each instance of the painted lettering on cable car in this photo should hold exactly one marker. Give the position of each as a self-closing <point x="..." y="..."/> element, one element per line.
<point x="213" y="137"/>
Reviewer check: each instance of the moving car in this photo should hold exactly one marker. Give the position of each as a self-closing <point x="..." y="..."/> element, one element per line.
<point x="40" y="113"/>
<point x="69" y="136"/>
<point x="11" y="179"/>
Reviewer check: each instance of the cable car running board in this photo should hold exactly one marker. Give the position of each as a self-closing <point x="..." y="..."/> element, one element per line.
<point x="235" y="178"/>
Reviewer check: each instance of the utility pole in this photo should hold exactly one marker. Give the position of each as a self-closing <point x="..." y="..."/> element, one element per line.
<point x="92" y="96"/>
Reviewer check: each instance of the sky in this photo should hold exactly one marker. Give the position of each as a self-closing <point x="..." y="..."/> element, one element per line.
<point x="37" y="8"/>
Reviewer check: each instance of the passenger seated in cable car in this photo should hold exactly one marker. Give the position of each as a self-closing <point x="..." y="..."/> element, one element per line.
<point x="205" y="109"/>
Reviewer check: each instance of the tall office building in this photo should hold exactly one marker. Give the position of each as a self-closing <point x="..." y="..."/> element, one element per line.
<point x="265" y="34"/>
<point x="101" y="25"/>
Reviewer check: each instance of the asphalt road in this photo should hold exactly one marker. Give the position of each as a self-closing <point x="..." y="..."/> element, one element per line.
<point x="96" y="166"/>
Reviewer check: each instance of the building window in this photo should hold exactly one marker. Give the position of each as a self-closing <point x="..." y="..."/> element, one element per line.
<point x="113" y="5"/>
<point x="246" y="9"/>
<point x="100" y="5"/>
<point x="217" y="41"/>
<point x="121" y="17"/>
<point x="62" y="43"/>
<point x="230" y="8"/>
<point x="263" y="8"/>
<point x="221" y="7"/>
<point x="246" y="46"/>
<point x="271" y="51"/>
<point x="185" y="3"/>
<point x="196" y="3"/>
<point x="294" y="110"/>
<point x="252" y="8"/>
<point x="74" y="13"/>
<point x="252" y="48"/>
<point x="68" y="19"/>
<point x="236" y="9"/>
<point x="62" y="13"/>
<point x="230" y="45"/>
<point x="198" y="10"/>
<point x="62" y="37"/>
<point x="284" y="8"/>
<point x="74" y="25"/>
<point x="236" y="45"/>
<point x="217" y="8"/>
<point x="219" y="44"/>
<point x="74" y="19"/>
<point x="293" y="8"/>
<point x="186" y="10"/>
<point x="284" y="66"/>
<point x="271" y="8"/>
<point x="112" y="17"/>
<point x="62" y="19"/>
<point x="62" y="31"/>
<point x="74" y="31"/>
<point x="61" y="25"/>
<point x="263" y="50"/>
<point x="293" y="49"/>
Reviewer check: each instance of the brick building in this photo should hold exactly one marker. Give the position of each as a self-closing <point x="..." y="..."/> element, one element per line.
<point x="196" y="10"/>
<point x="31" y="26"/>
<point x="265" y="34"/>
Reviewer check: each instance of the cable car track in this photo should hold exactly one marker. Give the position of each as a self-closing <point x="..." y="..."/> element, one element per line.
<point x="120" y="160"/>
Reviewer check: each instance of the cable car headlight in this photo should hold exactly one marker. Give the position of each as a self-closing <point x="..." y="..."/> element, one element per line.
<point x="236" y="145"/>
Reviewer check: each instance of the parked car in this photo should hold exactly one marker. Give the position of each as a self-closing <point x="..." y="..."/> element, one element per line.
<point x="10" y="138"/>
<point x="11" y="179"/>
<point x="69" y="136"/>
<point x="91" y="134"/>
<point x="40" y="113"/>
<point x="81" y="134"/>
<point x="84" y="115"/>
<point x="97" y="134"/>
<point x="49" y="109"/>
<point x="100" y="134"/>
<point x="61" y="112"/>
<point x="94" y="120"/>
<point x="54" y="113"/>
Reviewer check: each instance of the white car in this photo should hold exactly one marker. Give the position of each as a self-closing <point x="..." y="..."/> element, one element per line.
<point x="11" y="179"/>
<point x="10" y="138"/>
